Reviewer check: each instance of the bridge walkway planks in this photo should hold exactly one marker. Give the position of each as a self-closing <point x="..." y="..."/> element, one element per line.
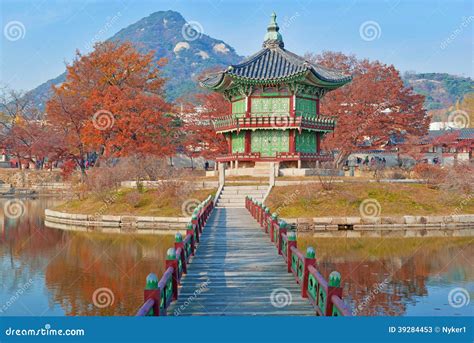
<point x="235" y="271"/>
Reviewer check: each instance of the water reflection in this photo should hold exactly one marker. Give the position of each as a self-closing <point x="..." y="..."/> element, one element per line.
<point x="65" y="268"/>
<point x="399" y="276"/>
<point x="45" y="271"/>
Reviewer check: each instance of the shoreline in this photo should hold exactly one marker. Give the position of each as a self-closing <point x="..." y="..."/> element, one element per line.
<point x="343" y="227"/>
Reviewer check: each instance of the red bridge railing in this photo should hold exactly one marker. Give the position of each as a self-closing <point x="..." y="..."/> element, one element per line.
<point x="325" y="296"/>
<point x="159" y="294"/>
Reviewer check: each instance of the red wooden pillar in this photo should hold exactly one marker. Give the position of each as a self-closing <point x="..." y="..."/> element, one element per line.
<point x="291" y="243"/>
<point x="334" y="288"/>
<point x="309" y="260"/>
<point x="292" y="106"/>
<point x="318" y="142"/>
<point x="153" y="292"/>
<point x="292" y="141"/>
<point x="171" y="261"/>
<point x="248" y="107"/>
<point x="317" y="107"/>
<point x="281" y="231"/>
<point x="248" y="147"/>
<point x="274" y="223"/>
<point x="190" y="231"/>
<point x="179" y="244"/>
<point x="229" y="142"/>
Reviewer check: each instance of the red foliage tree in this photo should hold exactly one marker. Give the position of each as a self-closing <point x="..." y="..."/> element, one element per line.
<point x="372" y="108"/>
<point x="112" y="102"/>
<point x="200" y="139"/>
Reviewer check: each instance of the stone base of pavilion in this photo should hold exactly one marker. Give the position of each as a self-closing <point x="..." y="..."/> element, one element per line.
<point x="264" y="169"/>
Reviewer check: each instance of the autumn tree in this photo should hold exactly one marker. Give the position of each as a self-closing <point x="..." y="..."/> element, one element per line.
<point x="20" y="126"/>
<point x="112" y="102"/>
<point x="372" y="108"/>
<point x="199" y="136"/>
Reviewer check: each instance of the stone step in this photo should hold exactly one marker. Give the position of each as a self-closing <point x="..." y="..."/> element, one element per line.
<point x="230" y="206"/>
<point x="244" y="192"/>
<point x="243" y="195"/>
<point x="246" y="187"/>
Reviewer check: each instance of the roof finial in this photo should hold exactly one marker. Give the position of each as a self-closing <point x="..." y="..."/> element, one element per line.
<point x="273" y="38"/>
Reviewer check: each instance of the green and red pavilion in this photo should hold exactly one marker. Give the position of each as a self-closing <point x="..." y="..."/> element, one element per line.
<point x="275" y="96"/>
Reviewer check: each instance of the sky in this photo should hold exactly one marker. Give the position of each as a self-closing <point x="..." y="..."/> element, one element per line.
<point x="39" y="37"/>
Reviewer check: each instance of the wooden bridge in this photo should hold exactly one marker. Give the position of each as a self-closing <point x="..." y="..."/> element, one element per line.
<point x="240" y="261"/>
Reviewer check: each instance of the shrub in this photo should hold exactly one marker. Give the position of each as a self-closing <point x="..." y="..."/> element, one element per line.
<point x="433" y="175"/>
<point x="133" y="198"/>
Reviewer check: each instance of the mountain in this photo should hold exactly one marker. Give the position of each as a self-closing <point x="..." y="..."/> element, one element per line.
<point x="440" y="89"/>
<point x="187" y="49"/>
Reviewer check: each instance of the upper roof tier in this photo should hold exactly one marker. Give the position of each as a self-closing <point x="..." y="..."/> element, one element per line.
<point x="274" y="64"/>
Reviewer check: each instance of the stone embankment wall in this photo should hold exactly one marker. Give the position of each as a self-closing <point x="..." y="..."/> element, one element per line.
<point x="402" y="226"/>
<point x="115" y="224"/>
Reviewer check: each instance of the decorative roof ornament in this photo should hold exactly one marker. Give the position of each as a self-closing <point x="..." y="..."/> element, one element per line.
<point x="273" y="38"/>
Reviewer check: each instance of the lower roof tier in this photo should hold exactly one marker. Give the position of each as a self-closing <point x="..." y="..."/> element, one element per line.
<point x="316" y="123"/>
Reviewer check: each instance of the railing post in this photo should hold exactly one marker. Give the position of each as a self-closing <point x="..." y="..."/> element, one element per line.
<point x="152" y="292"/>
<point x="257" y="211"/>
<point x="172" y="262"/>
<point x="190" y="231"/>
<point x="274" y="222"/>
<point x="268" y="220"/>
<point x="291" y="243"/>
<point x="334" y="288"/>
<point x="281" y="230"/>
<point x="265" y="213"/>
<point x="195" y="223"/>
<point x="309" y="260"/>
<point x="178" y="243"/>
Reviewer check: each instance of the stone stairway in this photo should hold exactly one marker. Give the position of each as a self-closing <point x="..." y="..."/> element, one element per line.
<point x="234" y="196"/>
<point x="261" y="169"/>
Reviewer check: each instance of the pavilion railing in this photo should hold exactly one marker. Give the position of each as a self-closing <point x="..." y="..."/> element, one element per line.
<point x="275" y="120"/>
<point x="325" y="296"/>
<point x="159" y="294"/>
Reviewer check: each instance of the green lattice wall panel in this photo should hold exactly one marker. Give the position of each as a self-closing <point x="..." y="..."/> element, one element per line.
<point x="269" y="142"/>
<point x="306" y="107"/>
<point x="238" y="142"/>
<point x="270" y="106"/>
<point x="238" y="108"/>
<point x="306" y="141"/>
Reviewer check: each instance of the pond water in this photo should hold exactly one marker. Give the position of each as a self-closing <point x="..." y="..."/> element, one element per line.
<point x="46" y="271"/>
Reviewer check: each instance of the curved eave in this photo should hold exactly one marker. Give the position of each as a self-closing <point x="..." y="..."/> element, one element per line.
<point x="317" y="80"/>
<point x="214" y="82"/>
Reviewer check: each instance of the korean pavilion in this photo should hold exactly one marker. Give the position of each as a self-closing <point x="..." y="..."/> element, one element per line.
<point x="275" y="97"/>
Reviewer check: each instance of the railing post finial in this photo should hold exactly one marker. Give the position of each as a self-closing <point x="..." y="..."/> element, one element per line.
<point x="335" y="279"/>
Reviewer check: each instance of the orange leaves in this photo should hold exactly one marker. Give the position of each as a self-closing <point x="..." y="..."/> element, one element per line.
<point x="373" y="107"/>
<point x="112" y="102"/>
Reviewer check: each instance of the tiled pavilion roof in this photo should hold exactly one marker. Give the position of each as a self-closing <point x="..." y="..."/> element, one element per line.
<point x="275" y="64"/>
